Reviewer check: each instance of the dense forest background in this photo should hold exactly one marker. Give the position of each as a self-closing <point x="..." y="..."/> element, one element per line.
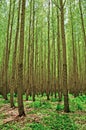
<point x="42" y="49"/>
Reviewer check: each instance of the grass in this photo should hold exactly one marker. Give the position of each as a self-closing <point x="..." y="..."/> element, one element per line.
<point x="45" y="115"/>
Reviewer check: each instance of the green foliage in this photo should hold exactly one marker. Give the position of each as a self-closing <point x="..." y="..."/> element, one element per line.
<point x="50" y="115"/>
<point x="61" y="122"/>
<point x="30" y="98"/>
<point x="15" y="94"/>
<point x="6" y="101"/>
<point x="37" y="126"/>
<point x="44" y="94"/>
<point x="46" y="104"/>
<point x="37" y="104"/>
<point x="54" y="99"/>
<point x="82" y="98"/>
<point x="59" y="107"/>
<point x="40" y="104"/>
<point x="79" y="106"/>
<point x="2" y="115"/>
<point x="78" y="103"/>
<point x="1" y="96"/>
<point x="2" y="102"/>
<point x="8" y="94"/>
<point x="9" y="127"/>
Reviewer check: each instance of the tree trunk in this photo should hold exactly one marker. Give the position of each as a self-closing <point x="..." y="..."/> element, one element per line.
<point x="84" y="34"/>
<point x="65" y="89"/>
<point x="7" y="54"/>
<point x="28" y="89"/>
<point x="20" y="63"/>
<point x="33" y="83"/>
<point x="59" y="57"/>
<point x="10" y="42"/>
<point x="48" y="67"/>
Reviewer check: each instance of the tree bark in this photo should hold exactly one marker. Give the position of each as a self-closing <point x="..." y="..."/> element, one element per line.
<point x="65" y="89"/>
<point x="48" y="67"/>
<point x="20" y="63"/>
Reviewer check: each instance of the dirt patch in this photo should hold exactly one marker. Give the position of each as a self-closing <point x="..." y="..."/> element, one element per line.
<point x="11" y="115"/>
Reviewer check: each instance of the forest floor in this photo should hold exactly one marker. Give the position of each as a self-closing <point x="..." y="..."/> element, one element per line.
<point x="44" y="115"/>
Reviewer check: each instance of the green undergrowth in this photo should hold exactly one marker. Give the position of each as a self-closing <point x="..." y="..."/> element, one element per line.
<point x="2" y="102"/>
<point x="61" y="122"/>
<point x="36" y="126"/>
<point x="78" y="103"/>
<point x="9" y="126"/>
<point x="48" y="115"/>
<point x="40" y="104"/>
<point x="60" y="107"/>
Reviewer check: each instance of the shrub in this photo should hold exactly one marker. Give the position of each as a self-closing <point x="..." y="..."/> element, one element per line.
<point x="45" y="104"/>
<point x="40" y="104"/>
<point x="54" y="100"/>
<point x="59" y="107"/>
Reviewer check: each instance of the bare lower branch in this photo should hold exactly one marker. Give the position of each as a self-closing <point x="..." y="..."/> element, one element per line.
<point x="64" y="3"/>
<point x="56" y="4"/>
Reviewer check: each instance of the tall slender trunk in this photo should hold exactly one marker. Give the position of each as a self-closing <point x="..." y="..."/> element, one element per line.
<point x="33" y="83"/>
<point x="74" y="56"/>
<point x="84" y="34"/>
<point x="6" y="54"/>
<point x="41" y="59"/>
<point x="10" y="42"/>
<point x="48" y="64"/>
<point x="28" y="89"/>
<point x="20" y="63"/>
<point x="14" y="71"/>
<point x="36" y="57"/>
<point x="53" y="53"/>
<point x="65" y="89"/>
<point x="59" y="56"/>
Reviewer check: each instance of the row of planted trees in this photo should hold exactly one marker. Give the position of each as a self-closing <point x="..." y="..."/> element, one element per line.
<point x="43" y="50"/>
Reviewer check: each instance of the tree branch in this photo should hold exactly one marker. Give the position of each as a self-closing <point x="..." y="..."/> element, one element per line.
<point x="64" y="3"/>
<point x="56" y="4"/>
